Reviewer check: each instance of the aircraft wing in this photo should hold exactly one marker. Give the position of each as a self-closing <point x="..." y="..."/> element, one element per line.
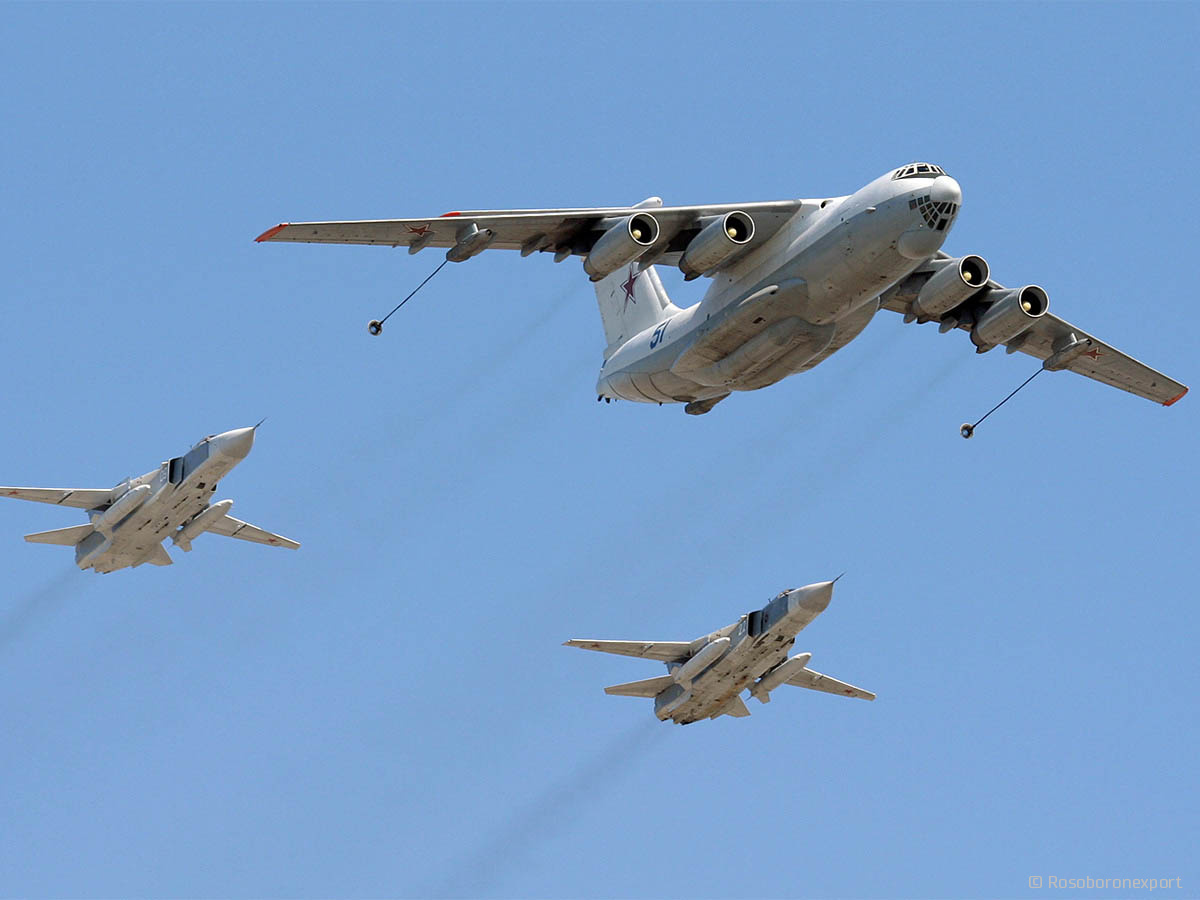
<point x="80" y="498"/>
<point x="236" y="528"/>
<point x="815" y="681"/>
<point x="570" y="231"/>
<point x="663" y="651"/>
<point x="1097" y="360"/>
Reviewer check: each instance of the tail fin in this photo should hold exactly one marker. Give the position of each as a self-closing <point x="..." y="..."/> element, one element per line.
<point x="630" y="302"/>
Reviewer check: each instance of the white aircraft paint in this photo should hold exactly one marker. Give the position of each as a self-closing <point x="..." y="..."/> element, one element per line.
<point x="792" y="282"/>
<point x="706" y="676"/>
<point x="128" y="523"/>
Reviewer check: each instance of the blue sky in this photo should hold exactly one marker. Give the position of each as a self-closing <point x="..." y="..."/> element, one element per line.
<point x="388" y="712"/>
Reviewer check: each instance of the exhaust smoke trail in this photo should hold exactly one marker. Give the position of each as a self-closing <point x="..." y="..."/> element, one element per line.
<point x="547" y="814"/>
<point x="38" y="604"/>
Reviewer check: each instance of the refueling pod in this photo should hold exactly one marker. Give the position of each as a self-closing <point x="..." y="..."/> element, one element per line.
<point x="126" y="504"/>
<point x="193" y="529"/>
<point x="708" y="655"/>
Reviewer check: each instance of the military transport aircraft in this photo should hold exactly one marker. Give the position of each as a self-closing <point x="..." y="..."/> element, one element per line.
<point x="793" y="281"/>
<point x="129" y="522"/>
<point x="707" y="676"/>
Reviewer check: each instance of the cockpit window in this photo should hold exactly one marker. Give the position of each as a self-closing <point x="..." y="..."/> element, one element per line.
<point x="918" y="170"/>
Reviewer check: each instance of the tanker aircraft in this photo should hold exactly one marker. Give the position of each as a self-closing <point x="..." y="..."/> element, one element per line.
<point x="128" y="523"/>
<point x="707" y="676"/>
<point x="793" y="281"/>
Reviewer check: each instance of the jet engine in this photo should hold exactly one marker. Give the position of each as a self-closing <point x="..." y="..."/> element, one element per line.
<point x="622" y="243"/>
<point x="1011" y="313"/>
<point x="717" y="241"/>
<point x="949" y="287"/>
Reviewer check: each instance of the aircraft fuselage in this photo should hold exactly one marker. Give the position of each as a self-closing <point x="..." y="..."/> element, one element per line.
<point x="757" y="643"/>
<point x="831" y="262"/>
<point x="161" y="502"/>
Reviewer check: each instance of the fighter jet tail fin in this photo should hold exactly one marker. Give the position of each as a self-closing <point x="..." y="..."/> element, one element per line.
<point x="64" y="537"/>
<point x="648" y="687"/>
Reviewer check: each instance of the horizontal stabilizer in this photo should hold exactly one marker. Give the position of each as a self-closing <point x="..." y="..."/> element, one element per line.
<point x="663" y="651"/>
<point x="65" y="537"/>
<point x="649" y="687"/>
<point x="815" y="681"/>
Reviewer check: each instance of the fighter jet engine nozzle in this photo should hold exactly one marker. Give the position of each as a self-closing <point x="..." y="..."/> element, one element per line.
<point x="184" y="536"/>
<point x="126" y="504"/>
<point x="950" y="286"/>
<point x="708" y="655"/>
<point x="719" y="240"/>
<point x="1010" y="314"/>
<point x="91" y="548"/>
<point x="622" y="243"/>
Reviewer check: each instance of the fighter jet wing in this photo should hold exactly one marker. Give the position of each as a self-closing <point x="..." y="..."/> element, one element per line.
<point x="531" y="230"/>
<point x="663" y="651"/>
<point x="80" y="498"/>
<point x="1089" y="356"/>
<point x="236" y="528"/>
<point x="815" y="681"/>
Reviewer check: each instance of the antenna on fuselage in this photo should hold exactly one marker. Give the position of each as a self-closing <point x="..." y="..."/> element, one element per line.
<point x="968" y="431"/>
<point x="375" y="326"/>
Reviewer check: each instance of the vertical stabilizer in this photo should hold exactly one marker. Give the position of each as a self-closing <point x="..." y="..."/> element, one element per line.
<point x="630" y="302"/>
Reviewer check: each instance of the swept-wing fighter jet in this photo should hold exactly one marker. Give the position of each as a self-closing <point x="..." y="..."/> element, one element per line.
<point x="793" y="281"/>
<point x="707" y="676"/>
<point x="128" y="523"/>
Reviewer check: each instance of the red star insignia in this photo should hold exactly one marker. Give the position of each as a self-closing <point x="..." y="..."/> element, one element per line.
<point x="1093" y="353"/>
<point x="420" y="230"/>
<point x="627" y="287"/>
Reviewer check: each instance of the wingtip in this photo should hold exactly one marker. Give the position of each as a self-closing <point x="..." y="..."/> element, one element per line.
<point x="1176" y="398"/>
<point x="271" y="232"/>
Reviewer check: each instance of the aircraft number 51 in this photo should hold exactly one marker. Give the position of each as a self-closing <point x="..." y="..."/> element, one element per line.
<point x="658" y="335"/>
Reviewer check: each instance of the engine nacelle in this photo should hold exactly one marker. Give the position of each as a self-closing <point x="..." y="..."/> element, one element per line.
<point x="1012" y="313"/>
<point x="717" y="242"/>
<point x="624" y="242"/>
<point x="90" y="548"/>
<point x="949" y="287"/>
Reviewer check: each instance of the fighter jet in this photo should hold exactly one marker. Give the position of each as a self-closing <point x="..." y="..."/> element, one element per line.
<point x="127" y="524"/>
<point x="707" y="676"/>
<point x="793" y="281"/>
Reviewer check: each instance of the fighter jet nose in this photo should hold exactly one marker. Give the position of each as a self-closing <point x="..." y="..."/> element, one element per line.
<point x="945" y="190"/>
<point x="236" y="443"/>
<point x="816" y="596"/>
